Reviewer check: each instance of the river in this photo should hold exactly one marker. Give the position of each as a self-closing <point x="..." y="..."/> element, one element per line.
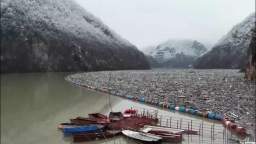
<point x="33" y="104"/>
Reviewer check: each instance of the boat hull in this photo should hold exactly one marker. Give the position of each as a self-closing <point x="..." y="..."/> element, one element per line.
<point x="142" y="137"/>
<point x="82" y="129"/>
<point x="95" y="136"/>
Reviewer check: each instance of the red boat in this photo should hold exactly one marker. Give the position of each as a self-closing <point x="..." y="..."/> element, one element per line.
<point x="167" y="136"/>
<point x="115" y="116"/>
<point x="130" y="112"/>
<point x="85" y="121"/>
<point x="233" y="127"/>
<point x="94" y="136"/>
<point x="66" y="125"/>
<point x="97" y="116"/>
<point x="241" y="131"/>
<point x="190" y="132"/>
<point x="229" y="124"/>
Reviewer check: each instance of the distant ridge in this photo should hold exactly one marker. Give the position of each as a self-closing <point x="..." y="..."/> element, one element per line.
<point x="175" y="53"/>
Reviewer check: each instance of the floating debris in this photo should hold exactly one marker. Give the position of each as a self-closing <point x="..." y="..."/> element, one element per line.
<point x="99" y="126"/>
<point x="206" y="93"/>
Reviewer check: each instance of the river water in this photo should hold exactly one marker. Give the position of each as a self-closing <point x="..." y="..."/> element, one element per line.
<point x="33" y="104"/>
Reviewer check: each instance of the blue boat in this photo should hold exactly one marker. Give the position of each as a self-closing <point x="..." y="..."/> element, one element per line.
<point x="82" y="129"/>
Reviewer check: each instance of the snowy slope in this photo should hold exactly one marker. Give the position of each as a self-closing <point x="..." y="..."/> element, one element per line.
<point x="65" y="15"/>
<point x="170" y="48"/>
<point x="240" y="33"/>
<point x="231" y="50"/>
<point x="171" y="52"/>
<point x="59" y="35"/>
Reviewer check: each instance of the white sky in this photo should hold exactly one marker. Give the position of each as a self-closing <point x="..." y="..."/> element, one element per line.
<point x="149" y="22"/>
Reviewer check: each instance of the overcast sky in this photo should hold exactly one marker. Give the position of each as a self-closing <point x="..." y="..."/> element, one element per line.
<point x="149" y="22"/>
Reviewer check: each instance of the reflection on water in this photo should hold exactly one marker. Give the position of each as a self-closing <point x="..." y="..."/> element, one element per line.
<point x="32" y="105"/>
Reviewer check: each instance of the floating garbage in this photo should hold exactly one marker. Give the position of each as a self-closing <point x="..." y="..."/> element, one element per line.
<point x="182" y="109"/>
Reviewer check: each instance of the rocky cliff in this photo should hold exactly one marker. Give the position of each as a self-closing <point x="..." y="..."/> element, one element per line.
<point x="59" y="35"/>
<point x="250" y="72"/>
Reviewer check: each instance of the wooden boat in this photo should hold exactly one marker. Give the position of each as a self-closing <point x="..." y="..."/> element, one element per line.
<point x="67" y="125"/>
<point x="130" y="112"/>
<point x="241" y="131"/>
<point x="142" y="137"/>
<point x="190" y="132"/>
<point x="82" y="129"/>
<point x="148" y="128"/>
<point x="167" y="134"/>
<point x="115" y="116"/>
<point x="86" y="121"/>
<point x="83" y="121"/>
<point x="168" y="137"/>
<point x="95" y="136"/>
<point x="97" y="116"/>
<point x="229" y="124"/>
<point x="233" y="127"/>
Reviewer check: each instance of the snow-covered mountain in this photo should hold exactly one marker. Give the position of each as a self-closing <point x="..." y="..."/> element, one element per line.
<point x="59" y="35"/>
<point x="231" y="50"/>
<point x="175" y="53"/>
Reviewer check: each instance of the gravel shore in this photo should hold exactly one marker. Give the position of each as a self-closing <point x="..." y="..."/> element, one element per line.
<point x="220" y="91"/>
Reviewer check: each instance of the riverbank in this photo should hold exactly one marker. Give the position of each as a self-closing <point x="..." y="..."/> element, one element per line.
<point x="220" y="91"/>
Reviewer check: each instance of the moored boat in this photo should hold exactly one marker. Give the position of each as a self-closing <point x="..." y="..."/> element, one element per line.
<point x="142" y="137"/>
<point x="168" y="137"/>
<point x="148" y="128"/>
<point x="86" y="121"/>
<point x="82" y="129"/>
<point x="129" y="112"/>
<point x="67" y="125"/>
<point x="97" y="116"/>
<point x="234" y="128"/>
<point x="115" y="116"/>
<point x="241" y="131"/>
<point x="95" y="135"/>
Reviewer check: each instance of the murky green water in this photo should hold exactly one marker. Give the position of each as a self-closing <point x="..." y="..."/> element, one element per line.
<point x="32" y="105"/>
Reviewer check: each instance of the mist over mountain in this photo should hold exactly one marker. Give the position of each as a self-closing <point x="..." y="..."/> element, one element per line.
<point x="175" y="53"/>
<point x="59" y="35"/>
<point x="231" y="50"/>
